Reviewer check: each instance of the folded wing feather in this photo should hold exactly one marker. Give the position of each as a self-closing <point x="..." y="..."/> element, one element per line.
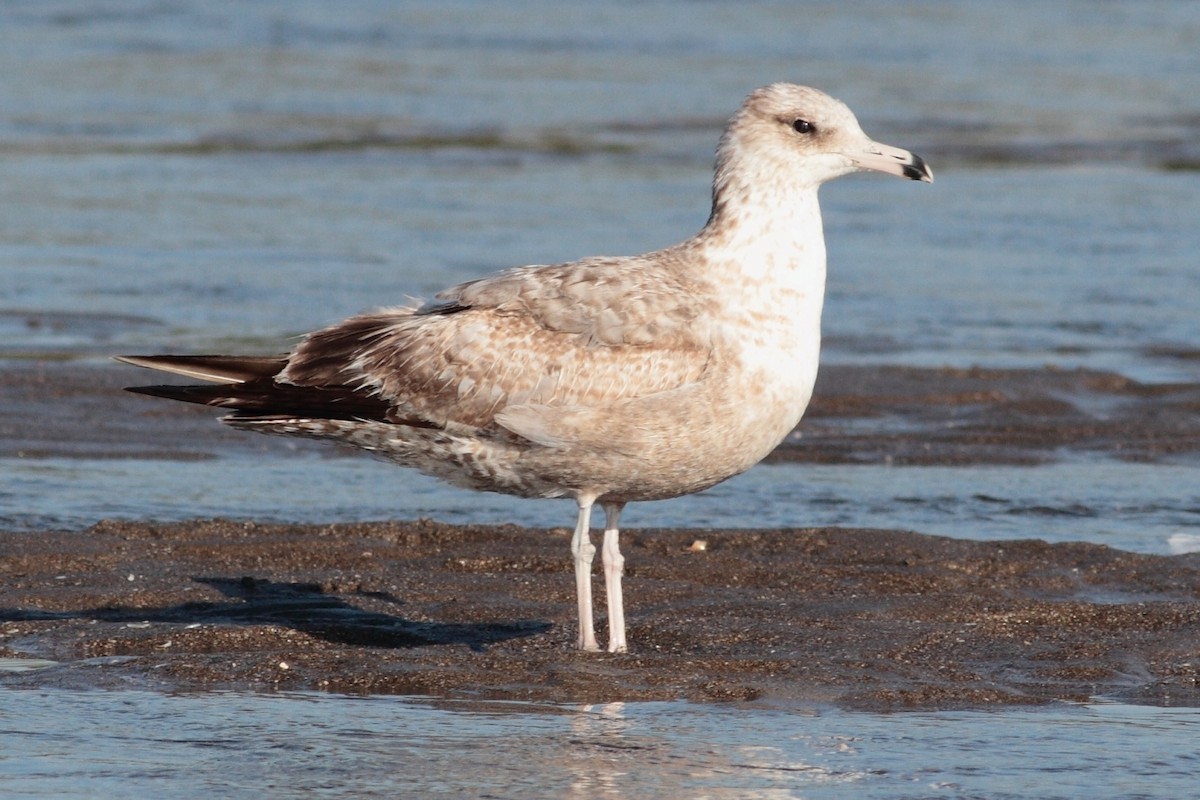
<point x="580" y="335"/>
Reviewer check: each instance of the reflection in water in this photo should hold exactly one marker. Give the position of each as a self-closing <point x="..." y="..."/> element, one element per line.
<point x="613" y="753"/>
<point x="617" y="754"/>
<point x="598" y="744"/>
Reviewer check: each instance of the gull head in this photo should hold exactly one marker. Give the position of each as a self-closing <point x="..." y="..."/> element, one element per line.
<point x="803" y="137"/>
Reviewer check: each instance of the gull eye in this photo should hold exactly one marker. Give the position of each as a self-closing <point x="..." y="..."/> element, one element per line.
<point x="803" y="126"/>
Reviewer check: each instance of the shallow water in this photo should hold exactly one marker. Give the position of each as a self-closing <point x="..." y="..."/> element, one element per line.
<point x="68" y="744"/>
<point x="190" y="176"/>
<point x="1148" y="508"/>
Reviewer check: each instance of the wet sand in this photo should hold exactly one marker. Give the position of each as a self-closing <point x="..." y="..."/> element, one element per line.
<point x="860" y="618"/>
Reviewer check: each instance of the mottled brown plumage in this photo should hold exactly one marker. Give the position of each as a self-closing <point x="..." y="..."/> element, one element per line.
<point x="608" y="379"/>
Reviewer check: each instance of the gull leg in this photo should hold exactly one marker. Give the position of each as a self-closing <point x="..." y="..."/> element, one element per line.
<point x="614" y="568"/>
<point x="584" y="551"/>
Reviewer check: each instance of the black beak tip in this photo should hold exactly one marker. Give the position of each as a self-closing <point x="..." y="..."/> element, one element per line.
<point x="918" y="170"/>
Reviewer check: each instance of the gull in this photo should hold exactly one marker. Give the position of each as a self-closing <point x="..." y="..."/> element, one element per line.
<point x="609" y="379"/>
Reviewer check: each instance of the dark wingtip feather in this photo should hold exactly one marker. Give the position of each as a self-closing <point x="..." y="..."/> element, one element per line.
<point x="204" y="395"/>
<point x="265" y="398"/>
<point x="247" y="385"/>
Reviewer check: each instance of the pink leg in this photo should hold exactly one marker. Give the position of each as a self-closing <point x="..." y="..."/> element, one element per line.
<point x="584" y="551"/>
<point x="614" y="568"/>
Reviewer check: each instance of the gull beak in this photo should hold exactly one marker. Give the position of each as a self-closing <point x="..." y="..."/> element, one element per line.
<point x="892" y="160"/>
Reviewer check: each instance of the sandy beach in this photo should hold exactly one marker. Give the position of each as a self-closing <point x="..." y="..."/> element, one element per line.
<point x="861" y="618"/>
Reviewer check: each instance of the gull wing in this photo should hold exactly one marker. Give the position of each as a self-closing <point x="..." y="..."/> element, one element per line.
<point x="581" y="335"/>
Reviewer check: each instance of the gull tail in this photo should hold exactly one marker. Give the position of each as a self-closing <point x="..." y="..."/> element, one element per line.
<point x="246" y="386"/>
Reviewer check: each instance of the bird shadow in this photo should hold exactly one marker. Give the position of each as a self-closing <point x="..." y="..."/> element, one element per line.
<point x="304" y="607"/>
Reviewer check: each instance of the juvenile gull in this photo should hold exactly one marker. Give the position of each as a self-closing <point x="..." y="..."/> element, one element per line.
<point x="607" y="380"/>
